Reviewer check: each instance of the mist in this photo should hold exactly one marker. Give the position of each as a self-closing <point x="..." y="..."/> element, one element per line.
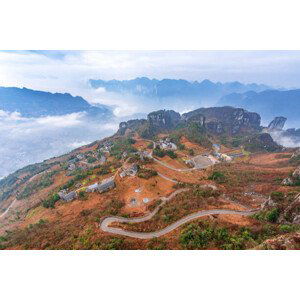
<point x="29" y="140"/>
<point x="286" y="141"/>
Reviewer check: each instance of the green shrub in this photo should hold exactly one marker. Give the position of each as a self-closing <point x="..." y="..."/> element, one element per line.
<point x="115" y="244"/>
<point x="272" y="215"/>
<point x="146" y="173"/>
<point x="218" y="177"/>
<point x="50" y="201"/>
<point x="91" y="159"/>
<point x="286" y="228"/>
<point x="159" y="152"/>
<point x="194" y="238"/>
<point x="171" y="154"/>
<point x="82" y="194"/>
<point x="150" y="146"/>
<point x="191" y="152"/>
<point x="69" y="184"/>
<point x="156" y="244"/>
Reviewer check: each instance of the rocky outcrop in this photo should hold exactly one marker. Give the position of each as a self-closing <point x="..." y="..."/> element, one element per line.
<point x="214" y="121"/>
<point x="230" y="120"/>
<point x="277" y="124"/>
<point x="261" y="142"/>
<point x="293" y="179"/>
<point x="291" y="213"/>
<point x="296" y="173"/>
<point x="131" y="125"/>
<point x="296" y="220"/>
<point x="164" y="119"/>
<point x="160" y="121"/>
<point x="283" y="242"/>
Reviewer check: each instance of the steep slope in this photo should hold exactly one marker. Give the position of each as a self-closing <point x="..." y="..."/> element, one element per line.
<point x="60" y="203"/>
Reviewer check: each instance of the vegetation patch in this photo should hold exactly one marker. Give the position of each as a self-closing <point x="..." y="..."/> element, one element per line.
<point x="218" y="177"/>
<point x="204" y="235"/>
<point x="146" y="173"/>
<point x="271" y="215"/>
<point x="32" y="187"/>
<point x="122" y="145"/>
<point x="181" y="205"/>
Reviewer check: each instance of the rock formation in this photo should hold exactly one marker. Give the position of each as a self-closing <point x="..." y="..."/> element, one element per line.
<point x="277" y="123"/>
<point x="164" y="119"/>
<point x="230" y="120"/>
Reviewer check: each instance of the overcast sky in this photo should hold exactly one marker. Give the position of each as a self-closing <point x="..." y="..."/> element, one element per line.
<point x="68" y="71"/>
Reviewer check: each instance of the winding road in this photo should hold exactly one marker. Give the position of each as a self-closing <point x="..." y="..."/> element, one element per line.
<point x="106" y="222"/>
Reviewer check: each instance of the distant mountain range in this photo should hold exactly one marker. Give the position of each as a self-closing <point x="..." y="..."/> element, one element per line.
<point x="31" y="103"/>
<point x="166" y="88"/>
<point x="267" y="103"/>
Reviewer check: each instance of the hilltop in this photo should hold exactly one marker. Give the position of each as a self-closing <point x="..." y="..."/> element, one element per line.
<point x="212" y="178"/>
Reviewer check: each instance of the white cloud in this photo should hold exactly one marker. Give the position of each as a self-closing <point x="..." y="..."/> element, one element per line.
<point x="68" y="120"/>
<point x="69" y="71"/>
<point x="29" y="140"/>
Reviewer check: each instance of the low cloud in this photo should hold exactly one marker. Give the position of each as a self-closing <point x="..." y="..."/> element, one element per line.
<point x="29" y="140"/>
<point x="285" y="141"/>
<point x="69" y="120"/>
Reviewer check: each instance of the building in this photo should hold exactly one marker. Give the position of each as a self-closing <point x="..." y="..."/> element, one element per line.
<point x="106" y="185"/>
<point x="67" y="196"/>
<point x="105" y="147"/>
<point x="130" y="171"/>
<point x="72" y="167"/>
<point x="167" y="144"/>
<point x="92" y="188"/>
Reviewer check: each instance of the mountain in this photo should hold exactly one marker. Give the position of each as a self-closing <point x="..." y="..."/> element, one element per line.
<point x="267" y="103"/>
<point x="213" y="166"/>
<point x="165" y="88"/>
<point x="31" y="103"/>
<point x="215" y="120"/>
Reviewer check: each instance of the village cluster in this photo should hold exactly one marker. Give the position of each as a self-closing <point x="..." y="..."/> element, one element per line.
<point x="84" y="162"/>
<point x="98" y="157"/>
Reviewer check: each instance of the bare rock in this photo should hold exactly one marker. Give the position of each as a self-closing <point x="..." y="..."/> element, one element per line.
<point x="296" y="220"/>
<point x="277" y="123"/>
<point x="268" y="203"/>
<point x="296" y="173"/>
<point x="287" y="181"/>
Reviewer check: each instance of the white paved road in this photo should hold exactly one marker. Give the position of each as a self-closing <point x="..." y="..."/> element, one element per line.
<point x="105" y="224"/>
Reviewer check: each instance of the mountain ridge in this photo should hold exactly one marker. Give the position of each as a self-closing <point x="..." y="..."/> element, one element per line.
<point x="34" y="103"/>
<point x="143" y="86"/>
<point x="267" y="103"/>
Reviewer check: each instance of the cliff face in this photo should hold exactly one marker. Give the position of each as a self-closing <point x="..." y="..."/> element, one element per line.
<point x="131" y="125"/>
<point x="220" y="120"/>
<point x="215" y="120"/>
<point x="164" y="119"/>
<point x="277" y="123"/>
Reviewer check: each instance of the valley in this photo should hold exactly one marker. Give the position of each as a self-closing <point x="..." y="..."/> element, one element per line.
<point x="209" y="179"/>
